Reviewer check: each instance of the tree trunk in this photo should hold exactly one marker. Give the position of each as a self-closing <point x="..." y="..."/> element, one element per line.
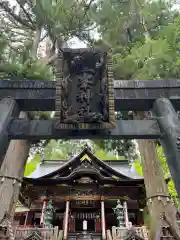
<point x="15" y="159"/>
<point x="35" y="42"/>
<point x="13" y="171"/>
<point x="158" y="199"/>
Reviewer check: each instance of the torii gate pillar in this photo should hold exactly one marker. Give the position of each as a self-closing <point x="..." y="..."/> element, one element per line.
<point x="169" y="124"/>
<point x="8" y="110"/>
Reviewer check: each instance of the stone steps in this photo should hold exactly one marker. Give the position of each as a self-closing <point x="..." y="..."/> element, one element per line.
<point x="87" y="236"/>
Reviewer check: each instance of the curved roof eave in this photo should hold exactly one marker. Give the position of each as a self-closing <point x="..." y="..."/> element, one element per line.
<point x="93" y="157"/>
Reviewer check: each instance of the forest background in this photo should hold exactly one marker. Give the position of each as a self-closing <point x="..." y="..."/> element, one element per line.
<point x="143" y="36"/>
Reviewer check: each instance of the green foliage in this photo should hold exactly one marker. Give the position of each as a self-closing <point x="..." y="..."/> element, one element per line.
<point x="152" y="60"/>
<point x="167" y="175"/>
<point x="65" y="150"/>
<point x="106" y="155"/>
<point x="31" y="69"/>
<point x="23" y="28"/>
<point x="125" y="149"/>
<point x="64" y="18"/>
<point x="32" y="165"/>
<point x="53" y="151"/>
<point x="145" y="40"/>
<point x="36" y="69"/>
<point x="138" y="167"/>
<point x="136" y="56"/>
<point x="171" y="187"/>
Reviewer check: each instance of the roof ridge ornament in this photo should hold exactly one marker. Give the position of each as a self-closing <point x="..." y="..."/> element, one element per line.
<point x="85" y="157"/>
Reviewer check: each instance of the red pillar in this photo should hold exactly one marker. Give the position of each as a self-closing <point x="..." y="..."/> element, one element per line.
<point x="30" y="218"/>
<point x="71" y="224"/>
<point x="66" y="220"/>
<point x="97" y="224"/>
<point x="103" y="224"/>
<point x="140" y="220"/>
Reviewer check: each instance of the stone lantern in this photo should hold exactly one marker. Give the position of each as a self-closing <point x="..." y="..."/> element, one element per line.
<point x="49" y="214"/>
<point x="120" y="214"/>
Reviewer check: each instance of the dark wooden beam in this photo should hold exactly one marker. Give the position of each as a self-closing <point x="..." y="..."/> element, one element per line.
<point x="140" y="95"/>
<point x="44" y="129"/>
<point x="129" y="95"/>
<point x="8" y="109"/>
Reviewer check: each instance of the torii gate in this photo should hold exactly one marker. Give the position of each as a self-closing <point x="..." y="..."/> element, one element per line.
<point x="161" y="97"/>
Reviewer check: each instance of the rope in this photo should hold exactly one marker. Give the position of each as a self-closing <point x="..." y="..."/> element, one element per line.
<point x="9" y="177"/>
<point x="158" y="195"/>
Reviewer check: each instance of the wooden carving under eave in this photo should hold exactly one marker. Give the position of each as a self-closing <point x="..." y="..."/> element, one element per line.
<point x="36" y="235"/>
<point x="132" y="235"/>
<point x="85" y="180"/>
<point x="84" y="90"/>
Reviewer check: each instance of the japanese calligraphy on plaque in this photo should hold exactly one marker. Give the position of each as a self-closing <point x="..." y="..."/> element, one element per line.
<point x="84" y="90"/>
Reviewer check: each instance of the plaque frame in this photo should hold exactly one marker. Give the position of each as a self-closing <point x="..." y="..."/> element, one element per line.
<point x="61" y="75"/>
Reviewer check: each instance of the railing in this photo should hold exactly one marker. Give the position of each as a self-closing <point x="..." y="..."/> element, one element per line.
<point x="119" y="233"/>
<point x="142" y="232"/>
<point x="47" y="234"/>
<point x="108" y="234"/>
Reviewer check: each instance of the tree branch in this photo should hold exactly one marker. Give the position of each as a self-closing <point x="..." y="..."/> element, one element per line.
<point x="26" y="13"/>
<point x="14" y="49"/>
<point x="16" y="17"/>
<point x="15" y="32"/>
<point x="87" y="8"/>
<point x="45" y="35"/>
<point x="52" y="59"/>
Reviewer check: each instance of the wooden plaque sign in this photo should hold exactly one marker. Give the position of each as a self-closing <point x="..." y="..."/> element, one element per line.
<point x="84" y="90"/>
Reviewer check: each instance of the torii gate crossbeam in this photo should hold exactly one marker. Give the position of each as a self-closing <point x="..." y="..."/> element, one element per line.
<point x="162" y="97"/>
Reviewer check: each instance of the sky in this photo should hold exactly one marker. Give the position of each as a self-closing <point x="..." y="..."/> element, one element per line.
<point x="76" y="43"/>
